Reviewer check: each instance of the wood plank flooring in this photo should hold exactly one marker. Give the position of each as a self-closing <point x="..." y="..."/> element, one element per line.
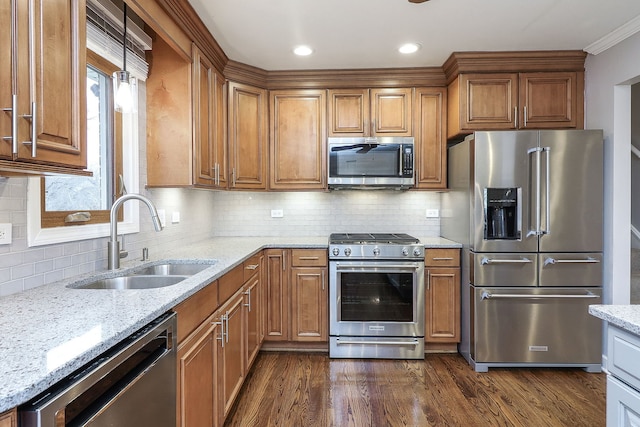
<point x="309" y="389"/>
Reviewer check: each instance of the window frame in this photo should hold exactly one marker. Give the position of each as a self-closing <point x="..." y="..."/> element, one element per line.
<point x="49" y="219"/>
<point x="129" y="223"/>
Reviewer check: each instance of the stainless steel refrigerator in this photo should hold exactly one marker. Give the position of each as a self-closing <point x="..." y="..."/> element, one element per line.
<point x="527" y="207"/>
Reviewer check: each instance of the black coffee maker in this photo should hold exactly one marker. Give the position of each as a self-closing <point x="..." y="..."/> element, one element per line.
<point x="501" y="208"/>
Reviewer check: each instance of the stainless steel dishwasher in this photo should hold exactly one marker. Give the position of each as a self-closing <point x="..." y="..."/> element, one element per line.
<point x="132" y="384"/>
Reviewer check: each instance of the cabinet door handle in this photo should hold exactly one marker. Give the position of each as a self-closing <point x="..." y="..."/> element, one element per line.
<point x="233" y="177"/>
<point x="248" y="304"/>
<point x="34" y="131"/>
<point x="221" y="335"/>
<point x="515" y="116"/>
<point x="13" y="110"/>
<point x="524" y="118"/>
<point x="428" y="280"/>
<point x="322" y="278"/>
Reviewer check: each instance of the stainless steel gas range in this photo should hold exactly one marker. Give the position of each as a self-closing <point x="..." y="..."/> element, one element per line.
<point x="376" y="294"/>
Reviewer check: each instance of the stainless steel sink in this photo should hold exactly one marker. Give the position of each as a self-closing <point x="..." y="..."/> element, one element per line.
<point x="172" y="269"/>
<point x="134" y="282"/>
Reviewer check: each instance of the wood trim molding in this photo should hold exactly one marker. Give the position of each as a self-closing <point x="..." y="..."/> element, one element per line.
<point x="513" y="62"/>
<point x="189" y="21"/>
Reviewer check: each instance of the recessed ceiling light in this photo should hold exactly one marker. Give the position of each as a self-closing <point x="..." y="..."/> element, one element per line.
<point x="409" y="48"/>
<point x="302" y="50"/>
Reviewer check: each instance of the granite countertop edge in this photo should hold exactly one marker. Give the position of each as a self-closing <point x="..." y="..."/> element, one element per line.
<point x="626" y="317"/>
<point x="51" y="331"/>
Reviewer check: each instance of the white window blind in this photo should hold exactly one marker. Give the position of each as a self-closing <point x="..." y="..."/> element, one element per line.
<point x="104" y="37"/>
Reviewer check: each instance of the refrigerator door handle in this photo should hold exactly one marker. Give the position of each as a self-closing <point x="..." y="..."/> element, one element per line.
<point x="588" y="260"/>
<point x="537" y="194"/>
<point x="486" y="261"/>
<point x="489" y="295"/>
<point x="547" y="221"/>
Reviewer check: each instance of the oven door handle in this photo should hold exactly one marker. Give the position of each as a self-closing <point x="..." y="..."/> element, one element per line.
<point x="377" y="266"/>
<point x="412" y="342"/>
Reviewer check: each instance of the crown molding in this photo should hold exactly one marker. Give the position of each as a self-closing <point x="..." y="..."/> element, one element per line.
<point x="614" y="37"/>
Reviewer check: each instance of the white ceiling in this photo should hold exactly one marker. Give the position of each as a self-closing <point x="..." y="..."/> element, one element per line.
<point x="366" y="33"/>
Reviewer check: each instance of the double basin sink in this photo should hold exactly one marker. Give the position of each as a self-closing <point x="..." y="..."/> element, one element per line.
<point x="149" y="277"/>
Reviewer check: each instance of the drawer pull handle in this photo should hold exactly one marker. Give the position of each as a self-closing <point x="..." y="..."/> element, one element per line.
<point x="251" y="267"/>
<point x="309" y="258"/>
<point x="442" y="259"/>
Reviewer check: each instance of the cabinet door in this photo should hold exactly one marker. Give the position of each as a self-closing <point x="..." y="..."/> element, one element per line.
<point x="203" y="120"/>
<point x="277" y="295"/>
<point x="298" y="135"/>
<point x="549" y="100"/>
<point x="349" y="112"/>
<point x="391" y="111"/>
<point x="309" y="304"/>
<point x="252" y="304"/>
<point x="58" y="82"/>
<point x="247" y="136"/>
<point x="623" y="404"/>
<point x="231" y="369"/>
<point x="430" y="139"/>
<point x="9" y="419"/>
<point x="488" y="101"/>
<point x="197" y="377"/>
<point x="7" y="88"/>
<point x="220" y="158"/>
<point x="442" y="323"/>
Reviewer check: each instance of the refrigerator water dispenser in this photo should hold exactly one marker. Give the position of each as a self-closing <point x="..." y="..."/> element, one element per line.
<point x="501" y="208"/>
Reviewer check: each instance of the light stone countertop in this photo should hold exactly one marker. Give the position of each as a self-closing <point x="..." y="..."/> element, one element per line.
<point x="50" y="331"/>
<point x="626" y="317"/>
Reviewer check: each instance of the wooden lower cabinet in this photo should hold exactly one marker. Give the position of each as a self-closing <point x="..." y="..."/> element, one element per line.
<point x="198" y="376"/>
<point x="9" y="419"/>
<point x="297" y="295"/>
<point x="442" y="298"/>
<point x="231" y="365"/>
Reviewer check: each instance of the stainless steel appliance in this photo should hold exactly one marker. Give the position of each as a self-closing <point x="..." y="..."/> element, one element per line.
<point x="376" y="294"/>
<point x="131" y="385"/>
<point x="527" y="207"/>
<point x="385" y="162"/>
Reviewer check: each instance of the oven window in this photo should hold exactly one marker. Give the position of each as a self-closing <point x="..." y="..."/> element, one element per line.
<point x="376" y="297"/>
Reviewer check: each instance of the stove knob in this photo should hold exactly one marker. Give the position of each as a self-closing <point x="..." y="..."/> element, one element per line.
<point x="376" y="251"/>
<point x="335" y="251"/>
<point x="347" y="251"/>
<point x="405" y="251"/>
<point x="417" y="252"/>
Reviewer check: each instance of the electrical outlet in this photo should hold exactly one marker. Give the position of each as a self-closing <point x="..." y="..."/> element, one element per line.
<point x="432" y="213"/>
<point x="277" y="213"/>
<point x="175" y="217"/>
<point x="5" y="234"/>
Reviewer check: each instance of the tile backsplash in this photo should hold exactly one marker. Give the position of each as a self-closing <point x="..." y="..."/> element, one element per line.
<point x="204" y="214"/>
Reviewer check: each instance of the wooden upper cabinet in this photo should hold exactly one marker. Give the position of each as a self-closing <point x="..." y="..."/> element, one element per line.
<point x="209" y="124"/>
<point x="348" y="111"/>
<point x="370" y="112"/>
<point x="170" y="119"/>
<point x="248" y="133"/>
<point x="298" y="140"/>
<point x="503" y="101"/>
<point x="551" y="100"/>
<point x="391" y="112"/>
<point x="430" y="160"/>
<point x="48" y="77"/>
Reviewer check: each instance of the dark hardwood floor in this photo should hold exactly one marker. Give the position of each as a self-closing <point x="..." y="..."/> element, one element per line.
<point x="303" y="389"/>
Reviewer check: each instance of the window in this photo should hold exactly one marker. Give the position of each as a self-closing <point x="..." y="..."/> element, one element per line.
<point x="85" y="200"/>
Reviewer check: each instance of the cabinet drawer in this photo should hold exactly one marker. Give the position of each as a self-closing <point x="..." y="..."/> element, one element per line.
<point x="195" y="309"/>
<point x="624" y="353"/>
<point x="442" y="257"/>
<point x="308" y="258"/>
<point x="251" y="267"/>
<point x="230" y="283"/>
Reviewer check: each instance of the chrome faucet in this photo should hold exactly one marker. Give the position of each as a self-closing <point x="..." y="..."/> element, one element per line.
<point x="113" y="246"/>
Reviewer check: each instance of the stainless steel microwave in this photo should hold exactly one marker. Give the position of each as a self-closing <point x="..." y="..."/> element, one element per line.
<point x="384" y="162"/>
